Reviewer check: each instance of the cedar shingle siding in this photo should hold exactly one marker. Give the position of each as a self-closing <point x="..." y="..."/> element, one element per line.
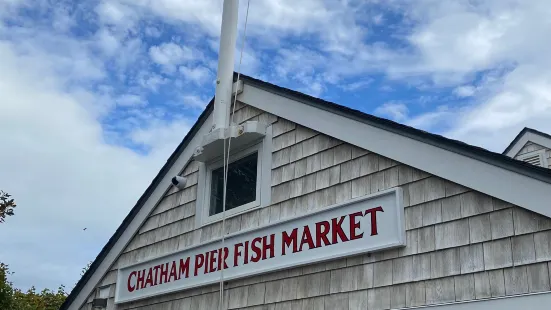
<point x="461" y="244"/>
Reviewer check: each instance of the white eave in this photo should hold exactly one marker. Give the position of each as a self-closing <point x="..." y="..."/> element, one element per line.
<point x="533" y="194"/>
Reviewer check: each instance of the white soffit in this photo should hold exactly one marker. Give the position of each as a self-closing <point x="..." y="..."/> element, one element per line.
<point x="529" y="137"/>
<point x="141" y="216"/>
<point x="495" y="181"/>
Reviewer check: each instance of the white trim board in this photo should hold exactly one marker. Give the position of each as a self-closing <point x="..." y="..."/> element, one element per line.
<point x="495" y="181"/>
<point x="528" y="137"/>
<point x="140" y="217"/>
<point x="537" y="301"/>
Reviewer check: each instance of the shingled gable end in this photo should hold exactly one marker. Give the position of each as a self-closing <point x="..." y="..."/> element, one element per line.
<point x="477" y="226"/>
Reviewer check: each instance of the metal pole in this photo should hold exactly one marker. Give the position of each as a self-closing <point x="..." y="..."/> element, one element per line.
<point x="226" y="55"/>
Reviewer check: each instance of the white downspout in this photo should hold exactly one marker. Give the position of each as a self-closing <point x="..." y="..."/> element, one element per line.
<point x="226" y="54"/>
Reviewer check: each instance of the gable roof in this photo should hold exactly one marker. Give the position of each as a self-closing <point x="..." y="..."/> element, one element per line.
<point x="417" y="134"/>
<point x="473" y="152"/>
<point x="525" y="135"/>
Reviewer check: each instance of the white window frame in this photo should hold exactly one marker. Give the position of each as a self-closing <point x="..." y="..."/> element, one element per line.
<point x="541" y="153"/>
<point x="218" y="164"/>
<point x="263" y="182"/>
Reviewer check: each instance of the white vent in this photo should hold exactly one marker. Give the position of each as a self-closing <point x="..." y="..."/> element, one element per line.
<point x="534" y="158"/>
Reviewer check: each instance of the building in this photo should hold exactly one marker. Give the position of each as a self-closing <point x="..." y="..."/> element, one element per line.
<point x="531" y="146"/>
<point x="472" y="228"/>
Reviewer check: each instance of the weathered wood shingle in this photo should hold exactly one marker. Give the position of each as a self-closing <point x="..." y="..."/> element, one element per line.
<point x="378" y="298"/>
<point x="440" y="290"/>
<point x="452" y="234"/>
<point x="415" y="294"/>
<point x="498" y="254"/>
<point x="472" y="258"/>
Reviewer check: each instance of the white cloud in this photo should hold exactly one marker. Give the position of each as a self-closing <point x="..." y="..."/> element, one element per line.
<point x="432" y="121"/>
<point x="464" y="91"/>
<point x="161" y="136"/>
<point x="108" y="42"/>
<point x="152" y="31"/>
<point x="356" y="85"/>
<point x="62" y="168"/>
<point x="8" y="7"/>
<point x="194" y="101"/>
<point x="62" y="174"/>
<point x="130" y="100"/>
<point x="207" y="13"/>
<point x="198" y="75"/>
<point x="442" y="43"/>
<point x="503" y="41"/>
<point x="116" y="13"/>
<point x="151" y="81"/>
<point x="171" y="54"/>
<point x="395" y="110"/>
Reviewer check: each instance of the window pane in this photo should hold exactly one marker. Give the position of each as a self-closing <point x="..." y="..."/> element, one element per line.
<point x="241" y="187"/>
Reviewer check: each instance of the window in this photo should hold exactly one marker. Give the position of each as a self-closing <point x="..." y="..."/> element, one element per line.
<point x="249" y="182"/>
<point x="241" y="186"/>
<point x="243" y="189"/>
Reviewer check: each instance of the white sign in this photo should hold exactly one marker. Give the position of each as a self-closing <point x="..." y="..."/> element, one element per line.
<point x="362" y="225"/>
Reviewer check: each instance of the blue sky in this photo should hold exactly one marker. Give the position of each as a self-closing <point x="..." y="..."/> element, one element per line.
<point x="95" y="95"/>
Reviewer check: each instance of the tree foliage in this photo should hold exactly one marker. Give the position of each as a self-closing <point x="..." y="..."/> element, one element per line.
<point x="14" y="299"/>
<point x="6" y="289"/>
<point x="7" y="205"/>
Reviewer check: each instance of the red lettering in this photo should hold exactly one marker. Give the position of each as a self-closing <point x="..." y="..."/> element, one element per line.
<point x="256" y="250"/>
<point x="184" y="268"/>
<point x="149" y="279"/>
<point x="164" y="274"/>
<point x="289" y="240"/>
<point x="140" y="281"/>
<point x="212" y="261"/>
<point x="246" y="256"/>
<point x="373" y="212"/>
<point x="205" y="271"/>
<point x="131" y="288"/>
<point x="268" y="246"/>
<point x="337" y="231"/>
<point x="173" y="275"/>
<point x="199" y="261"/>
<point x="226" y="253"/>
<point x="306" y="238"/>
<point x="236" y="253"/>
<point x="354" y="226"/>
<point x="322" y="229"/>
<point x="156" y="268"/>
